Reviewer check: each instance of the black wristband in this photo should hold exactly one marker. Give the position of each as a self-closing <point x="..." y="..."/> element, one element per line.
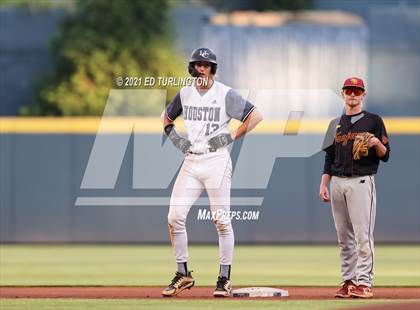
<point x="168" y="128"/>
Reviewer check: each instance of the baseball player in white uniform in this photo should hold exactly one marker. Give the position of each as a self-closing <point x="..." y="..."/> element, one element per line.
<point x="207" y="108"/>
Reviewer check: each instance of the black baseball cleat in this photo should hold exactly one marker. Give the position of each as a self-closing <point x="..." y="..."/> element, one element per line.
<point x="179" y="283"/>
<point x="223" y="287"/>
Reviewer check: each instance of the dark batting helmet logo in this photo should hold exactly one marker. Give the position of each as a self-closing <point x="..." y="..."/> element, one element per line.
<point x="204" y="53"/>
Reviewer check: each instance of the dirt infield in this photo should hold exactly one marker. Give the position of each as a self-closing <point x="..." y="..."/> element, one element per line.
<point x="296" y="293"/>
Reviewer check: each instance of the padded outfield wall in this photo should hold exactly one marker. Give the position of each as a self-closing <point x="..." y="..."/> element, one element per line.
<point x="43" y="163"/>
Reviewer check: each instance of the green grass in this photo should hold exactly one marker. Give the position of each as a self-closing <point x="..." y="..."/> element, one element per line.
<point x="106" y="304"/>
<point x="154" y="265"/>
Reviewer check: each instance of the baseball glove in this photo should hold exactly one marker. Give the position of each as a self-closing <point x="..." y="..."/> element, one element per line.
<point x="361" y="145"/>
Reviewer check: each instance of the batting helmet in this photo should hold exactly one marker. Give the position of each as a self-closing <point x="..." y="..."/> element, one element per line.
<point x="202" y="54"/>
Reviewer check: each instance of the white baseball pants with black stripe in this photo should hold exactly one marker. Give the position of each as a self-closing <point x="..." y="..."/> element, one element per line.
<point x="353" y="201"/>
<point x="211" y="172"/>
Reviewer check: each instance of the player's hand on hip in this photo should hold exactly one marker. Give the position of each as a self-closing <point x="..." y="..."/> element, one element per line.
<point x="179" y="142"/>
<point x="220" y="141"/>
<point x="183" y="144"/>
<point x="323" y="193"/>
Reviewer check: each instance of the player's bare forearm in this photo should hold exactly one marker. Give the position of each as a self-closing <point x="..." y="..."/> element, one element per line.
<point x="380" y="149"/>
<point x="252" y="120"/>
<point x="325" y="179"/>
<point x="323" y="188"/>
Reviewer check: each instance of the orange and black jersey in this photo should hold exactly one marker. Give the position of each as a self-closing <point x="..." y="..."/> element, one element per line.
<point x="338" y="145"/>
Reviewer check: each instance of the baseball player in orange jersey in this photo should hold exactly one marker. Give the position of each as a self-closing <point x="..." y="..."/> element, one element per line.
<point x="351" y="161"/>
<point x="207" y="108"/>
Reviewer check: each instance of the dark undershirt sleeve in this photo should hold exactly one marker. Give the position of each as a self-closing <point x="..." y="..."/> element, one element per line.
<point x="174" y="108"/>
<point x="329" y="159"/>
<point x="237" y="107"/>
<point x="328" y="146"/>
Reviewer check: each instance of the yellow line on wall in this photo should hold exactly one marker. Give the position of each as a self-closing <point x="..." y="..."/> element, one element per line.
<point x="91" y="125"/>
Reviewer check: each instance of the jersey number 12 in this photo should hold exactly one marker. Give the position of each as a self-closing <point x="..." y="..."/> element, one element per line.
<point x="211" y="128"/>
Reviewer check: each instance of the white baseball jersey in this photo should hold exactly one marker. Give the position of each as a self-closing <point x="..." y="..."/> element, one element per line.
<point x="207" y="115"/>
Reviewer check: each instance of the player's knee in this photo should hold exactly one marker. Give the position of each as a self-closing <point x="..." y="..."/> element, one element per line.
<point x="364" y="248"/>
<point x="223" y="228"/>
<point x="177" y="221"/>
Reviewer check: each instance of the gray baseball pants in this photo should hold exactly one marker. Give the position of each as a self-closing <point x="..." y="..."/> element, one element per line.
<point x="353" y="201"/>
